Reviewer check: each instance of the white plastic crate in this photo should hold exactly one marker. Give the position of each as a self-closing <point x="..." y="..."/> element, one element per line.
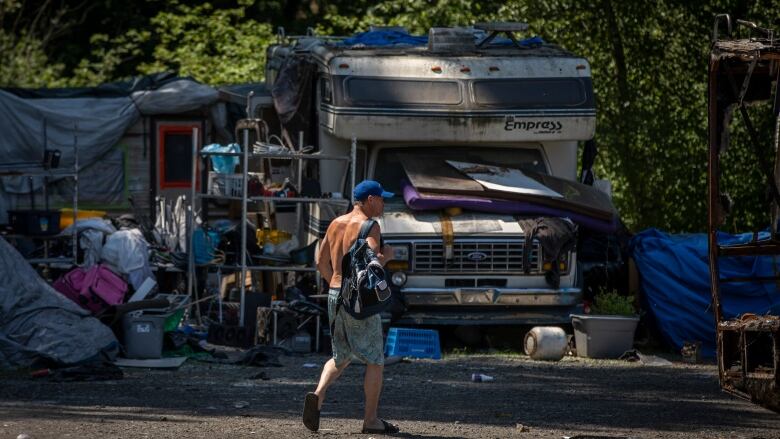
<point x="229" y="184"/>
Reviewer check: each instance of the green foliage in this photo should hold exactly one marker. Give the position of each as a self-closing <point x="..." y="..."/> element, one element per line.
<point x="107" y="56"/>
<point x="215" y="46"/>
<point x="25" y="64"/>
<point x="417" y="16"/>
<point x="612" y="303"/>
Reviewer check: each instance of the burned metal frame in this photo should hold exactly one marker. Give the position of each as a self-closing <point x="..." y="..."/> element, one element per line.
<point x="743" y="71"/>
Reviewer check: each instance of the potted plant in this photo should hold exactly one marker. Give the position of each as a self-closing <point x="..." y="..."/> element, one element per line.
<point x="608" y="331"/>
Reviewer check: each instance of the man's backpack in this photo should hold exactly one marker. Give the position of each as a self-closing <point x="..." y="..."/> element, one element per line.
<point x="364" y="290"/>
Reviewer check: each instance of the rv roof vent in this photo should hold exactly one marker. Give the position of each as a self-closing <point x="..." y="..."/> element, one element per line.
<point x="400" y="29"/>
<point x="448" y="39"/>
<point x="502" y="26"/>
<point x="497" y="27"/>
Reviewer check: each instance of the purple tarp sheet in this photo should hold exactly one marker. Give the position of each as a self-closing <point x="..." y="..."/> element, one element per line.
<point x="417" y="201"/>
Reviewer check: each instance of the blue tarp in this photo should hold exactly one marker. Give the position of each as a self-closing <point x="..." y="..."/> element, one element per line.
<point x="379" y="38"/>
<point x="675" y="282"/>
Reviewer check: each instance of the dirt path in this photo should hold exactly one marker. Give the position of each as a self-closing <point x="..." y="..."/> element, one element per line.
<point x="426" y="398"/>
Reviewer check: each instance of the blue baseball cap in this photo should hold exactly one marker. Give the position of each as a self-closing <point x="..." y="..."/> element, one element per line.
<point x="370" y="187"/>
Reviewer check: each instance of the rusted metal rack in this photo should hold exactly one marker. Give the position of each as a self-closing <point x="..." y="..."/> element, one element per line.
<point x="743" y="71"/>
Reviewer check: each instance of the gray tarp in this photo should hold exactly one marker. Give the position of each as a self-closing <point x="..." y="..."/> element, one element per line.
<point x="39" y="324"/>
<point x="102" y="122"/>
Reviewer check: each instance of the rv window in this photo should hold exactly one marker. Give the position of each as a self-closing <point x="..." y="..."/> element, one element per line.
<point x="565" y="92"/>
<point x="325" y="91"/>
<point x="372" y="91"/>
<point x="389" y="169"/>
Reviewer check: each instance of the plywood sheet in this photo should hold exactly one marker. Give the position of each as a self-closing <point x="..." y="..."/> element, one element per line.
<point x="511" y="180"/>
<point x="432" y="174"/>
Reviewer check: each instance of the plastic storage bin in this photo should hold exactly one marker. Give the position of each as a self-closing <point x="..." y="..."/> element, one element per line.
<point x="175" y="312"/>
<point x="230" y="185"/>
<point x="35" y="222"/>
<point x="416" y="343"/>
<point x="66" y="216"/>
<point x="144" y="329"/>
<point x="143" y="334"/>
<point x="603" y="336"/>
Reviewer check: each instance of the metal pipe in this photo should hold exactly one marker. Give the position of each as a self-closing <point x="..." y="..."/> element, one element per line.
<point x="191" y="224"/>
<point x="75" y="190"/>
<point x="244" y="167"/>
<point x="352" y="156"/>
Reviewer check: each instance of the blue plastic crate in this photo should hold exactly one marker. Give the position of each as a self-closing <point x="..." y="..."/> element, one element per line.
<point x="415" y="343"/>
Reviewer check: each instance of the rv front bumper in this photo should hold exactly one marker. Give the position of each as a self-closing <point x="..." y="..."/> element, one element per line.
<point x="491" y="296"/>
<point x="489" y="306"/>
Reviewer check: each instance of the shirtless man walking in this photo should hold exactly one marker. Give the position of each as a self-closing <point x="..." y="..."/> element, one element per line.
<point x="352" y="339"/>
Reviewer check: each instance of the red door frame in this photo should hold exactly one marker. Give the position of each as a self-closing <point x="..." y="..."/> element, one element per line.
<point x="176" y="128"/>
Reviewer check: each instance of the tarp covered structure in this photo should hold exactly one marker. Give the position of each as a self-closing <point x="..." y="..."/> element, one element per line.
<point x="675" y="284"/>
<point x="40" y="326"/>
<point x="96" y="118"/>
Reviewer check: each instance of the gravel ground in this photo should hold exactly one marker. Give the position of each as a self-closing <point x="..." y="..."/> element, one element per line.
<point x="427" y="399"/>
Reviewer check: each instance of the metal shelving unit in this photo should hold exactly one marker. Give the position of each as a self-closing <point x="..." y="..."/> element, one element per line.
<point x="245" y="155"/>
<point x="73" y="173"/>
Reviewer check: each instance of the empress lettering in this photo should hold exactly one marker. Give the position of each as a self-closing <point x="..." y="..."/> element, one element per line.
<point x="531" y="125"/>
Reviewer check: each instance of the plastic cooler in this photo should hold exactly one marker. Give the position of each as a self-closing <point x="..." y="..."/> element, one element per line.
<point x="415" y="343"/>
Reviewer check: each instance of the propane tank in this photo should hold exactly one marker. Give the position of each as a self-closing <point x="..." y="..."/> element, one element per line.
<point x="546" y="343"/>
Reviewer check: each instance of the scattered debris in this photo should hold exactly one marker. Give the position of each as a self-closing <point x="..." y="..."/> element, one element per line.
<point x="481" y="378"/>
<point x="521" y="427"/>
<point x="84" y="372"/>
<point x="648" y="360"/>
<point x="156" y="363"/>
<point x="691" y="352"/>
<point x="260" y="376"/>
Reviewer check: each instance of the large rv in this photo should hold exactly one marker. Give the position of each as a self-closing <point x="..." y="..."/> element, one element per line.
<point x="462" y="94"/>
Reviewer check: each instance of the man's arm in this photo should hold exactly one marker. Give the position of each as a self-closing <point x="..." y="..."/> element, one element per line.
<point x="323" y="260"/>
<point x="373" y="239"/>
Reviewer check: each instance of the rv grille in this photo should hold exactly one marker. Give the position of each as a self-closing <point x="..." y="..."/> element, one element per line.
<point x="475" y="256"/>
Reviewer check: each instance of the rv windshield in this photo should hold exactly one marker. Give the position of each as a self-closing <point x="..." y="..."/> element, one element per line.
<point x="390" y="171"/>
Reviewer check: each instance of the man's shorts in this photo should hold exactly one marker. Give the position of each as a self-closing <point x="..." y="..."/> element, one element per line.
<point x="354" y="339"/>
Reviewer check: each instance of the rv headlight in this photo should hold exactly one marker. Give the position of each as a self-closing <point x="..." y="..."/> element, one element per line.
<point x="400" y="252"/>
<point x="398" y="278"/>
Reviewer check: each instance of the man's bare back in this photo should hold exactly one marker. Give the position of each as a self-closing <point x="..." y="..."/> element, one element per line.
<point x="342" y="233"/>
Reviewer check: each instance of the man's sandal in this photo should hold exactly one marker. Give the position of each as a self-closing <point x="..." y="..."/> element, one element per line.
<point x="387" y="428"/>
<point x="311" y="412"/>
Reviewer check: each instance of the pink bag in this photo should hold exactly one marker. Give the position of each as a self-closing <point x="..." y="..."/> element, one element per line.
<point x="94" y="289"/>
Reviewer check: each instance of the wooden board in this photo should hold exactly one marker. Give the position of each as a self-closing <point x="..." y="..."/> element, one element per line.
<point x="432" y="174"/>
<point x="511" y="180"/>
<point x="574" y="196"/>
<point x="584" y="197"/>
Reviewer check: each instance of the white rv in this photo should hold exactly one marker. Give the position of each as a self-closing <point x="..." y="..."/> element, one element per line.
<point x="458" y="97"/>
